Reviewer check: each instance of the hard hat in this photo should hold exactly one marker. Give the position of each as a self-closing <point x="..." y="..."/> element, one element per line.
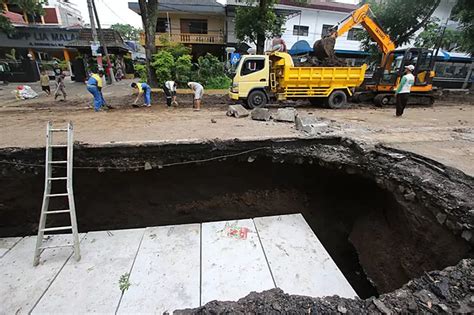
<point x="410" y="67"/>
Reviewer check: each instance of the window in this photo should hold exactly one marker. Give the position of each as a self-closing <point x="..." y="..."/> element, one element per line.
<point x="193" y="26"/>
<point x="300" y="30"/>
<point x="353" y="33"/>
<point x="162" y="25"/>
<point x="252" y="65"/>
<point x="326" y="29"/>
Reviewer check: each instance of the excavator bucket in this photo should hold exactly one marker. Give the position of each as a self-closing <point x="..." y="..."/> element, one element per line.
<point x="324" y="51"/>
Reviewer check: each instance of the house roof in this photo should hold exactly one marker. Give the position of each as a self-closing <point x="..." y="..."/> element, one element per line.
<point x="185" y="6"/>
<point x="322" y="5"/>
<point x="112" y="38"/>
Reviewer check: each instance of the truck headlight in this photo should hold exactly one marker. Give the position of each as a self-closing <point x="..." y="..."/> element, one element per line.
<point x="235" y="87"/>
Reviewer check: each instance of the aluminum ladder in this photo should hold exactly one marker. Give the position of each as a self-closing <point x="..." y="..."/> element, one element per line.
<point x="49" y="179"/>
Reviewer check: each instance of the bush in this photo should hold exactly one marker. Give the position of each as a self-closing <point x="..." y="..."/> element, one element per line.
<point x="219" y="82"/>
<point x="163" y="63"/>
<point x="140" y="71"/>
<point x="183" y="70"/>
<point x="209" y="67"/>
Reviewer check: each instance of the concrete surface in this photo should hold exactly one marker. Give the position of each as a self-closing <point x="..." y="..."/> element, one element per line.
<point x="170" y="267"/>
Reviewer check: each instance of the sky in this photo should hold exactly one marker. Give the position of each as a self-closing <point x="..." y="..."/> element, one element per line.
<point x="112" y="11"/>
<point x="117" y="11"/>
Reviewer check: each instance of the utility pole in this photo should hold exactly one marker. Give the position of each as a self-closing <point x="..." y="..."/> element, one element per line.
<point x="102" y="39"/>
<point x="95" y="39"/>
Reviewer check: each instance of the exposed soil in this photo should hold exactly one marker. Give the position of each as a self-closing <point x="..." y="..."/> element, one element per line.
<point x="396" y="213"/>
<point x="447" y="291"/>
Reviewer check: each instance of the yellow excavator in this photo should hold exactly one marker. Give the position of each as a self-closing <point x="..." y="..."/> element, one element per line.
<point x="381" y="89"/>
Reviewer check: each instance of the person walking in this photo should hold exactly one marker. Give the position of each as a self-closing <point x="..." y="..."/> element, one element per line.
<point x="60" y="86"/>
<point x="170" y="92"/>
<point x="403" y="91"/>
<point x="198" y="90"/>
<point x="93" y="83"/>
<point x="44" y="80"/>
<point x="142" y="89"/>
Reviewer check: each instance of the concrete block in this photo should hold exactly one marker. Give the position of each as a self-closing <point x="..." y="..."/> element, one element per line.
<point x="237" y="111"/>
<point x="261" y="114"/>
<point x="287" y="114"/>
<point x="309" y="124"/>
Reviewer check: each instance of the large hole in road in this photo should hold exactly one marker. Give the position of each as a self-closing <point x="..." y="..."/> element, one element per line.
<point x="377" y="243"/>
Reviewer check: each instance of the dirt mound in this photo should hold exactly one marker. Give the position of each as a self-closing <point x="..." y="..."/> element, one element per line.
<point x="436" y="292"/>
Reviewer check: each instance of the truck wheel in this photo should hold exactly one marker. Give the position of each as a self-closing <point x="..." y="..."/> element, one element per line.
<point x="256" y="99"/>
<point x="337" y="99"/>
<point x="382" y="100"/>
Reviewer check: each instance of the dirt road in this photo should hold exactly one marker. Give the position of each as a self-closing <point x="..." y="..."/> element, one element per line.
<point x="444" y="132"/>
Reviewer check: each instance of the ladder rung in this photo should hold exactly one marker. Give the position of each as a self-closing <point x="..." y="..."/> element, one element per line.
<point x="57" y="228"/>
<point x="57" y="211"/>
<point x="58" y="146"/>
<point x="57" y="195"/>
<point x="58" y="130"/>
<point x="57" y="178"/>
<point x="56" y="246"/>
<point x="57" y="162"/>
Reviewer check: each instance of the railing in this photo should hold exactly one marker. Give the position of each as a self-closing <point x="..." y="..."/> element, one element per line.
<point x="186" y="38"/>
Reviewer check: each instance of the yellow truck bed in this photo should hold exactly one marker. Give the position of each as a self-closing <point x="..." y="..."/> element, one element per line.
<point x="319" y="81"/>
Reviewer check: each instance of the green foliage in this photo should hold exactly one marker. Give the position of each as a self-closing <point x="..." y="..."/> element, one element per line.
<point x="209" y="66"/>
<point x="430" y="36"/>
<point x="124" y="282"/>
<point x="218" y="82"/>
<point x="175" y="49"/>
<point x="400" y="19"/>
<point x="464" y="13"/>
<point x="140" y="70"/>
<point x="258" y="21"/>
<point x="30" y="7"/>
<point x="164" y="65"/>
<point x="127" y="31"/>
<point x="183" y="69"/>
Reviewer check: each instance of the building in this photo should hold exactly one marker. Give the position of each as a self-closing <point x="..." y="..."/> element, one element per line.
<point x="63" y="12"/>
<point x="198" y="24"/>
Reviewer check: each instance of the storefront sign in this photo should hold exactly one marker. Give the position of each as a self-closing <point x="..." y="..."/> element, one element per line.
<point x="29" y="37"/>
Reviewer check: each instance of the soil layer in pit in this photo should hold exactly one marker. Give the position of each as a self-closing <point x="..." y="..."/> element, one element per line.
<point x="354" y="218"/>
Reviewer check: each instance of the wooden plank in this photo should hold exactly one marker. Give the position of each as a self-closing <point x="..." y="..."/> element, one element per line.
<point x="233" y="263"/>
<point x="166" y="273"/>
<point x="7" y="243"/>
<point x="299" y="262"/>
<point x="92" y="284"/>
<point x="21" y="284"/>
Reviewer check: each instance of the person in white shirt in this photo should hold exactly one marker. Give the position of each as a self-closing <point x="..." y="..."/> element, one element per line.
<point x="198" y="90"/>
<point x="170" y="92"/>
<point x="403" y="90"/>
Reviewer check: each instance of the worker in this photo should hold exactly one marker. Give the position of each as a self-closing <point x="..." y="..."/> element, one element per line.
<point x="60" y="86"/>
<point x="93" y="83"/>
<point x="142" y="89"/>
<point x="198" y="90"/>
<point x="170" y="92"/>
<point x="278" y="44"/>
<point x="403" y="91"/>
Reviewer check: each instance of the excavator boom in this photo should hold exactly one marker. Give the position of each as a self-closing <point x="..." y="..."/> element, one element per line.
<point x="361" y="17"/>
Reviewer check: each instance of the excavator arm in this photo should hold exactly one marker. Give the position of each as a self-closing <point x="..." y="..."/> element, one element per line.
<point x="361" y="16"/>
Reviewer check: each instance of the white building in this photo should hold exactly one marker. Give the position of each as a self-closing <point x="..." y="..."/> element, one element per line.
<point x="66" y="13"/>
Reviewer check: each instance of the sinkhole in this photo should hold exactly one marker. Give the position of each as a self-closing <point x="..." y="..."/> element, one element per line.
<point x="359" y="206"/>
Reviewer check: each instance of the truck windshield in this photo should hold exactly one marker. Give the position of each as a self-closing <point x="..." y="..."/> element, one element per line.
<point x="252" y="65"/>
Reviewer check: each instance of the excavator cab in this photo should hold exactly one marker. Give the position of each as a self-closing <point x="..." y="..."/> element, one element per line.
<point x="387" y="77"/>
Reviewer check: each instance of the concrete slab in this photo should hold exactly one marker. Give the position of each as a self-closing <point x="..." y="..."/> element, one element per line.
<point x="166" y="273"/>
<point x="7" y="243"/>
<point x="299" y="262"/>
<point x="92" y="284"/>
<point x="233" y="263"/>
<point x="21" y="284"/>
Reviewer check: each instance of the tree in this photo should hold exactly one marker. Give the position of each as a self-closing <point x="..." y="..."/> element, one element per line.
<point x="257" y="22"/>
<point x="149" y="14"/>
<point x="30" y="8"/>
<point x="431" y="34"/>
<point x="127" y="31"/>
<point x="400" y="19"/>
<point x="464" y="12"/>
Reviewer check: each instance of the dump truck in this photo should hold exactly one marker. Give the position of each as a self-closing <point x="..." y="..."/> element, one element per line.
<point x="260" y="79"/>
